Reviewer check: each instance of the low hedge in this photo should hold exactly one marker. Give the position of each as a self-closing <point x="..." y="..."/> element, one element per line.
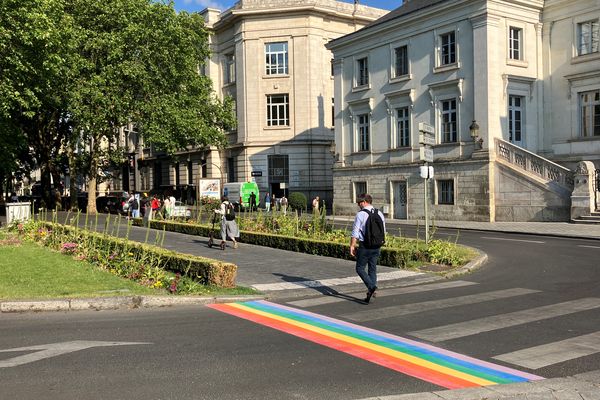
<point x="206" y="270"/>
<point x="397" y="258"/>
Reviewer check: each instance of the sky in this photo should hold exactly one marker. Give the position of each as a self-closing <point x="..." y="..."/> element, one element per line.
<point x="199" y="5"/>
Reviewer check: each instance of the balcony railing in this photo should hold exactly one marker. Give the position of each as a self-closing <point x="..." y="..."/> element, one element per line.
<point x="534" y="164"/>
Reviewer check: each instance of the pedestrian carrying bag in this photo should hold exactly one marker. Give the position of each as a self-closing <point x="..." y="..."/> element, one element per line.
<point x="374" y="234"/>
<point x="229" y="212"/>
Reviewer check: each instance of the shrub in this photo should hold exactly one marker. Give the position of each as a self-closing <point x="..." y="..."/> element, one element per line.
<point x="297" y="201"/>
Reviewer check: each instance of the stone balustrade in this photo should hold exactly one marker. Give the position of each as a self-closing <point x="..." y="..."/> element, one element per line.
<point x="532" y="163"/>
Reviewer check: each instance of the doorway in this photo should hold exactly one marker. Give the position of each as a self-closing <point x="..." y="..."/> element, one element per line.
<point x="400" y="198"/>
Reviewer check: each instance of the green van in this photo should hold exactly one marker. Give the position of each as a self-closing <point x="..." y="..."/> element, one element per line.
<point x="238" y="193"/>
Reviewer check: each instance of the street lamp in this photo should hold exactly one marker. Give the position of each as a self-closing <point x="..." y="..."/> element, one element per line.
<point x="474" y="129"/>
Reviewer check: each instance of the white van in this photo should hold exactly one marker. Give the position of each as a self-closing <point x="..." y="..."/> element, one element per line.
<point x="239" y="193"/>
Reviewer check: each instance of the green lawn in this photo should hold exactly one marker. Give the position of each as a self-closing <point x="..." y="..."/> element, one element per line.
<point x="29" y="271"/>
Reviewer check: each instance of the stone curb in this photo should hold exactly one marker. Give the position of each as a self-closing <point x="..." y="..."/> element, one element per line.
<point x="470" y="266"/>
<point x="115" y="303"/>
<point x="584" y="386"/>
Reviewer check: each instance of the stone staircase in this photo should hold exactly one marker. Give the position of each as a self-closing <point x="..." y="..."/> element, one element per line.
<point x="593" y="218"/>
<point x="529" y="187"/>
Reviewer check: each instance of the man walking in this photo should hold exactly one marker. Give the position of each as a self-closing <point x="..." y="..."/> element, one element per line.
<point x="369" y="231"/>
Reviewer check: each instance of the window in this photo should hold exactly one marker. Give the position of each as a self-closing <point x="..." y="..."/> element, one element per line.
<point x="231" y="169"/>
<point x="359" y="188"/>
<point x="590" y="113"/>
<point x="402" y="127"/>
<point x="362" y="72"/>
<point x="276" y="58"/>
<point x="445" y="190"/>
<point x="589" y="37"/>
<point x="515" y="118"/>
<point x="176" y="173"/>
<point x="332" y="112"/>
<point x="363" y="132"/>
<point x="278" y="168"/>
<point x="448" y="120"/>
<point x="229" y="68"/>
<point x="448" y="48"/>
<point x="515" y="39"/>
<point x="278" y="109"/>
<point x="401" y="61"/>
<point x="190" y="173"/>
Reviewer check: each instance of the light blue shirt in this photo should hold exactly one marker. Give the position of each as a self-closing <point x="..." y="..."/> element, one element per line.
<point x="360" y="220"/>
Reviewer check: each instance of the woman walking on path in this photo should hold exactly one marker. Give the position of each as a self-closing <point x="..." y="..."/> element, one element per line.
<point x="228" y="226"/>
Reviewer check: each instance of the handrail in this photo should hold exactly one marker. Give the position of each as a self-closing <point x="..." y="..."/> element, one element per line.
<point x="533" y="163"/>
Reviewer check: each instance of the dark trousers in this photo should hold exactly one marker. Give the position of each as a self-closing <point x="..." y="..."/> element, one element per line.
<point x="367" y="258"/>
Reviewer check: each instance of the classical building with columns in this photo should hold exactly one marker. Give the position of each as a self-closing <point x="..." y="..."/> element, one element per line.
<point x="510" y="89"/>
<point x="270" y="57"/>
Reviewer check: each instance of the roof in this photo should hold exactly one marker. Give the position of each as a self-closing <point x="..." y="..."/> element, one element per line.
<point x="408" y="7"/>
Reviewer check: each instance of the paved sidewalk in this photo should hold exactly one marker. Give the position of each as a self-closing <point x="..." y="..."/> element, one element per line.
<point x="584" y="386"/>
<point x="560" y="229"/>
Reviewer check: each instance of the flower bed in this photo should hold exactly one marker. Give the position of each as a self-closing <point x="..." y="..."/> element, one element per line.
<point x="141" y="262"/>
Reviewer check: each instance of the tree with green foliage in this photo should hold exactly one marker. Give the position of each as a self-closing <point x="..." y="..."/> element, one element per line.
<point x="138" y="62"/>
<point x="35" y="63"/>
<point x="82" y="69"/>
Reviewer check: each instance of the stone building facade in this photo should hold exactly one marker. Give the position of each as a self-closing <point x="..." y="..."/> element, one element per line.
<point x="512" y="92"/>
<point x="270" y="57"/>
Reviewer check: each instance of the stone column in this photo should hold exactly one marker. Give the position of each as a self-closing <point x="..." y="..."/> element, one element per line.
<point x="582" y="200"/>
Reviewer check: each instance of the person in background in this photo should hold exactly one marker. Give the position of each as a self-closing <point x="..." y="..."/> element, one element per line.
<point x="252" y="202"/>
<point x="135" y="206"/>
<point x="167" y="206"/>
<point x="267" y="202"/>
<point x="154" y="207"/>
<point x="315" y="204"/>
<point x="284" y="203"/>
<point x="14" y="198"/>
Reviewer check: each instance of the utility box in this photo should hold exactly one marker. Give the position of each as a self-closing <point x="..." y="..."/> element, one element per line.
<point x="18" y="212"/>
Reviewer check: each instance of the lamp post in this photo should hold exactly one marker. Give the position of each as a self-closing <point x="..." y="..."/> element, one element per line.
<point x="474" y="129"/>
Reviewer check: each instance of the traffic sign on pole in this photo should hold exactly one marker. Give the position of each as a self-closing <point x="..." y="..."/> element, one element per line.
<point x="426" y="153"/>
<point x="423" y="127"/>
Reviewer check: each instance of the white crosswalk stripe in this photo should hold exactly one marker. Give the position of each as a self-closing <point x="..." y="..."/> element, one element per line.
<point x="491" y="323"/>
<point x="554" y="353"/>
<point x="406" y="309"/>
<point x="386" y="276"/>
<point x="317" y="301"/>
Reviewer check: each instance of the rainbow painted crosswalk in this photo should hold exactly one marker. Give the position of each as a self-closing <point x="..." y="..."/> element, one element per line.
<point x="429" y="363"/>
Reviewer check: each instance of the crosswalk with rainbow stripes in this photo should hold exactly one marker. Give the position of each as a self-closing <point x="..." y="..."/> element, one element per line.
<point x="422" y="360"/>
<point x="435" y="365"/>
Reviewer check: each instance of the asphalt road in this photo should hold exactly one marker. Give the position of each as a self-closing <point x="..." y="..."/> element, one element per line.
<point x="536" y="301"/>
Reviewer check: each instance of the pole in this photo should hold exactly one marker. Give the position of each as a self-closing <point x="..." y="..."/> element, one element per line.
<point x="426" y="181"/>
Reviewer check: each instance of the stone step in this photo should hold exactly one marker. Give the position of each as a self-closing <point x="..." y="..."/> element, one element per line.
<point x="587" y="219"/>
<point x="590" y="217"/>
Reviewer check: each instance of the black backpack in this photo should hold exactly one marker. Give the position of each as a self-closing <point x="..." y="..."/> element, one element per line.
<point x="374" y="233"/>
<point x="229" y="212"/>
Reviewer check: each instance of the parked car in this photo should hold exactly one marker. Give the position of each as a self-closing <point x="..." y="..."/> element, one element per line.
<point x="181" y="210"/>
<point x="109" y="204"/>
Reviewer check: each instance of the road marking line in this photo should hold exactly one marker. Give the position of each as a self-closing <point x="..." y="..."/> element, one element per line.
<point x="55" y="349"/>
<point x="487" y="324"/>
<point x="386" y="276"/>
<point x="327" y="299"/>
<point x="589" y="247"/>
<point x="512" y="240"/>
<point x="432" y="364"/>
<point x="554" y="353"/>
<point x="406" y="309"/>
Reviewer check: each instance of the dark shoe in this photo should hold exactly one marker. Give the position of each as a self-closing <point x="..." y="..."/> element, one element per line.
<point x="370" y="293"/>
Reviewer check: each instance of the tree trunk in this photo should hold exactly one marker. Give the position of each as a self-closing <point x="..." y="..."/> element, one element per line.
<point x="91" y="205"/>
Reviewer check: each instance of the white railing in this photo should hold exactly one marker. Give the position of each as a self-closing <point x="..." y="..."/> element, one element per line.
<point x="532" y="163"/>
